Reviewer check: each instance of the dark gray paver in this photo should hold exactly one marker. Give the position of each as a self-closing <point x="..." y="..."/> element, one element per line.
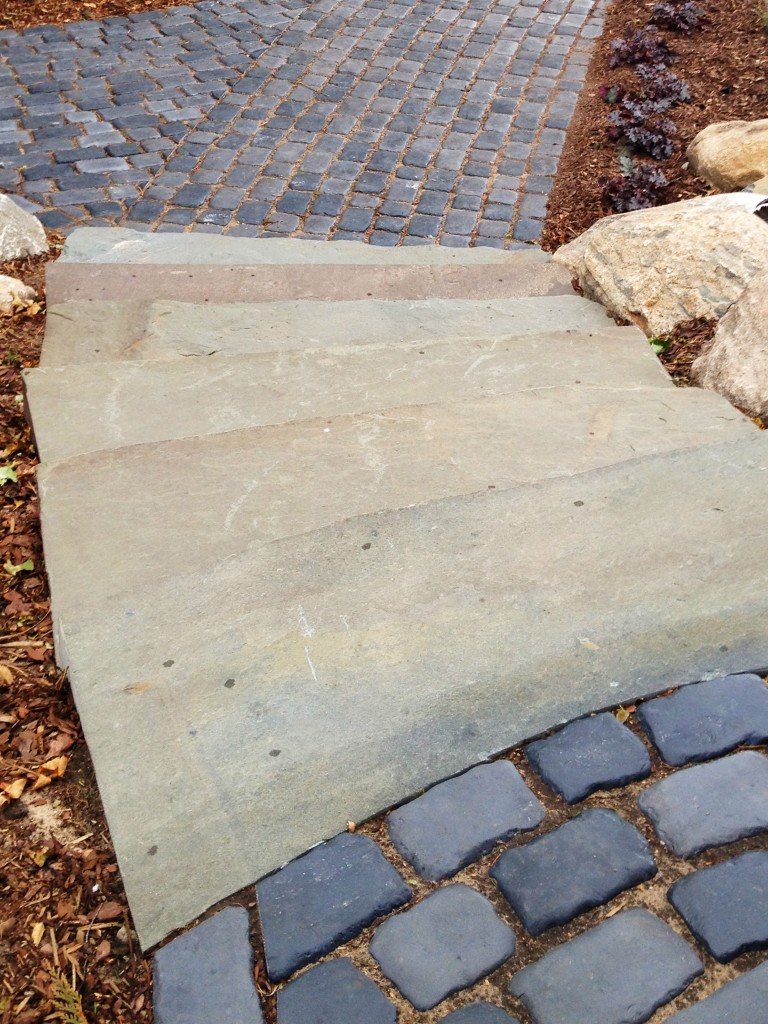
<point x="443" y="944"/>
<point x="207" y="974"/>
<point x="323" y="899"/>
<point x="461" y="819"/>
<point x="726" y="906"/>
<point x="707" y="719"/>
<point x="742" y="1001"/>
<point x="589" y="754"/>
<point x="334" y="993"/>
<point x="576" y="867"/>
<point x="617" y="973"/>
<point x="710" y="804"/>
<point x="480" y="1013"/>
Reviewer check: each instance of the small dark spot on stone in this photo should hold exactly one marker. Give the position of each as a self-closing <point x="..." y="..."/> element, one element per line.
<point x="274" y="753"/>
<point x="229" y="683"/>
<point x="578" y="503"/>
<point x="421" y="351"/>
<point x="367" y="545"/>
<point x="724" y="648"/>
<point x="152" y="851"/>
<point x="193" y="732"/>
<point x="491" y="487"/>
<point x="167" y="664"/>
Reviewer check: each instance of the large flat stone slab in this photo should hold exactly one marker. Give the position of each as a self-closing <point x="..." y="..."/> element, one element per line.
<point x="330" y="282"/>
<point x="85" y="408"/>
<point x="113" y="519"/>
<point x="123" y="245"/>
<point x="385" y="652"/>
<point x="87" y="332"/>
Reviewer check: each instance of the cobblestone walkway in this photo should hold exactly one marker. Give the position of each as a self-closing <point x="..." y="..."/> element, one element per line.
<point x="388" y="120"/>
<point x="578" y="880"/>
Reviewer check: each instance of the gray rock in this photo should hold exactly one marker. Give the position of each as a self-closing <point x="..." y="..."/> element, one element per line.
<point x="659" y="267"/>
<point x="323" y="899"/>
<point x="461" y="819"/>
<point x="21" y="234"/>
<point x="335" y="991"/>
<point x="479" y="1013"/>
<point x="742" y="1001"/>
<point x="207" y="974"/>
<point x="589" y="754"/>
<point x="710" y="804"/>
<point x="735" y="362"/>
<point x="445" y="943"/>
<point x="726" y="906"/>
<point x="617" y="973"/>
<point x="579" y="865"/>
<point x="707" y="719"/>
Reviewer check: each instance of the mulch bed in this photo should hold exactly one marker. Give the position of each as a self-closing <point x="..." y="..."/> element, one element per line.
<point x="67" y="951"/>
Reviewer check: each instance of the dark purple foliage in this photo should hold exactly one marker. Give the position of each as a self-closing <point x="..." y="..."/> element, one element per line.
<point x="639" y="188"/>
<point x="642" y="47"/>
<point x="610" y="93"/>
<point x="662" y="87"/>
<point x="677" y="16"/>
<point x="650" y="137"/>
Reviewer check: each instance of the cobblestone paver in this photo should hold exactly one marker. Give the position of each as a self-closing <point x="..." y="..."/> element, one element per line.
<point x="631" y="940"/>
<point x="387" y="120"/>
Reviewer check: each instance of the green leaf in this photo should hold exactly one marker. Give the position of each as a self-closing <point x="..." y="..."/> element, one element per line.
<point x="8" y="473"/>
<point x="659" y="345"/>
<point x="13" y="570"/>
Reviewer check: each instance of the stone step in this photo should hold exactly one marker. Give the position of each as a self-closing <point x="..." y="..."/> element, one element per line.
<point x="87" y="332"/>
<point x="123" y="245"/>
<point x="85" y="408"/>
<point x="66" y="282"/>
<point x="247" y="711"/>
<point x="112" y="519"/>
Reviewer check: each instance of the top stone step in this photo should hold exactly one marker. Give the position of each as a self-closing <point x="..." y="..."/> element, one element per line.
<point x="121" y="245"/>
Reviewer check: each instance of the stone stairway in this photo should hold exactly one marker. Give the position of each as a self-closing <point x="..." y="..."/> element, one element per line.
<point x="326" y="523"/>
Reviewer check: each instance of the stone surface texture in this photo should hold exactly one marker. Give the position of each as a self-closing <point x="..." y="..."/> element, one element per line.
<point x="710" y="804"/>
<point x="207" y="974"/>
<point x="579" y="865"/>
<point x="323" y="899"/>
<point x="589" y="754"/>
<point x="443" y="944"/>
<point x="735" y="362"/>
<point x="617" y="973"/>
<point x="707" y="719"/>
<point x="21" y="234"/>
<point x="742" y="1001"/>
<point x="14" y="292"/>
<point x="660" y="267"/>
<point x="726" y="906"/>
<point x="334" y="993"/>
<point x="730" y="154"/>
<point x="461" y="819"/>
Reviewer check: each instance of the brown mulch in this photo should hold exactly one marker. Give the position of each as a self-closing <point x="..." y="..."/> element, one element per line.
<point x="65" y="936"/>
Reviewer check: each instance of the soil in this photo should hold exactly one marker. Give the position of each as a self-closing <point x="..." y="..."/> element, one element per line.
<point x="66" y="943"/>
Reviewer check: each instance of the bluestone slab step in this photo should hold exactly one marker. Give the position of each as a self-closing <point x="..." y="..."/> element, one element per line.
<point x="742" y="1001"/>
<point x="82" y="408"/>
<point x="323" y="899"/>
<point x="66" y="282"/>
<point x="335" y="991"/>
<point x="710" y="804"/>
<point x="617" y="973"/>
<point x="384" y="653"/>
<point x="123" y="245"/>
<point x="589" y="754"/>
<point x="707" y="719"/>
<point x="111" y="519"/>
<point x="579" y="865"/>
<point x="207" y="974"/>
<point x="444" y="944"/>
<point x="461" y="819"/>
<point x="87" y="332"/>
<point x="726" y="906"/>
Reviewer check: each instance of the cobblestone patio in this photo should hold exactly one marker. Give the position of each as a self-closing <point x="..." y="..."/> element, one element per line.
<point x="394" y="122"/>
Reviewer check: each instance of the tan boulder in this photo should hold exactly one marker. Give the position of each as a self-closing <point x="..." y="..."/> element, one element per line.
<point x="735" y="363"/>
<point x="658" y="268"/>
<point x="731" y="154"/>
<point x="14" y="292"/>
